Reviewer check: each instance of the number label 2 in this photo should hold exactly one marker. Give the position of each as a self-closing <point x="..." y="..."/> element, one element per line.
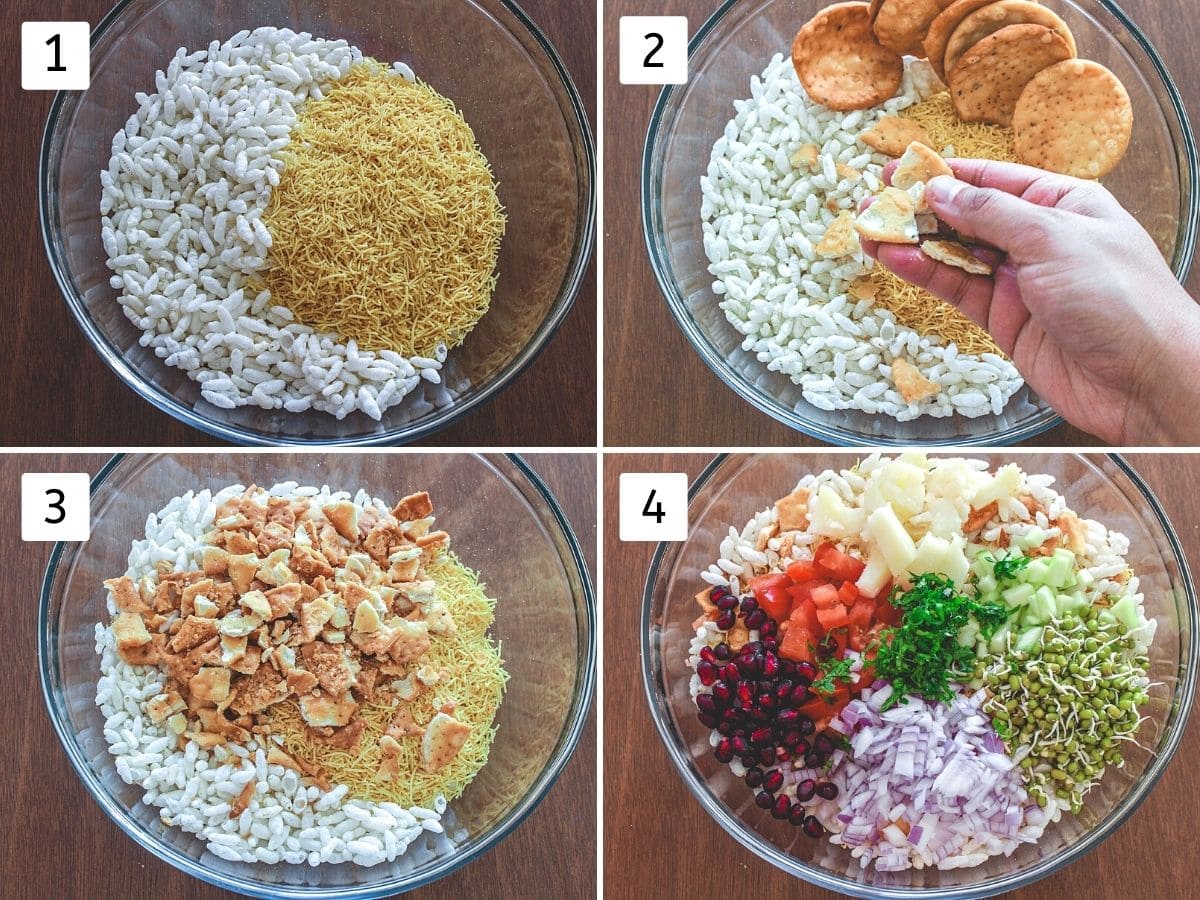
<point x="653" y="49"/>
<point x="657" y="40"/>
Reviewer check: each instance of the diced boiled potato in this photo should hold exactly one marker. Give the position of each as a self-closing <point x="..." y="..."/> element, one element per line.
<point x="946" y="557"/>
<point x="891" y="539"/>
<point x="946" y="517"/>
<point x="1005" y="483"/>
<point x="900" y="484"/>
<point x="915" y="458"/>
<point x="953" y="479"/>
<point x="830" y="516"/>
<point x="874" y="576"/>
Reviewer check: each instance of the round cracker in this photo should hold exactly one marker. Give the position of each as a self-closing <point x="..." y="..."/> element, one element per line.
<point x="900" y="25"/>
<point x="1000" y="14"/>
<point x="942" y="27"/>
<point x="875" y="4"/>
<point x="988" y="80"/>
<point x="1074" y="118"/>
<point x="841" y="64"/>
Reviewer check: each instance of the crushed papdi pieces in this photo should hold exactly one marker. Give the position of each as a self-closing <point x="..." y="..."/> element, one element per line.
<point x="912" y="385"/>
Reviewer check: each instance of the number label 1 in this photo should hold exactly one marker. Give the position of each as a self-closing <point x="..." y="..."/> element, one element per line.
<point x="56" y="56"/>
<point x="56" y="506"/>
<point x="653" y="49"/>
<point x="653" y="506"/>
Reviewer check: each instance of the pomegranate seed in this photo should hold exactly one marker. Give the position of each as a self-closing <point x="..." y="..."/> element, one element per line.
<point x="772" y="781"/>
<point x="822" y="744"/>
<point x="797" y="815"/>
<point x="812" y="827"/>
<point x="782" y="755"/>
<point x="792" y="739"/>
<point x="755" y="646"/>
<point x="807" y="669"/>
<point x="726" y="601"/>
<point x="801" y="748"/>
<point x="752" y="665"/>
<point x="805" y="790"/>
<point x="800" y="695"/>
<point x="722" y="693"/>
<point x="745" y="691"/>
<point x="726" y="620"/>
<point x="706" y="703"/>
<point x="756" y="619"/>
<point x="787" y="667"/>
<point x="769" y="629"/>
<point x="784" y="689"/>
<point x="738" y="745"/>
<point x="726" y="728"/>
<point x="730" y="715"/>
<point x="749" y="760"/>
<point x="708" y="720"/>
<point x="707" y="654"/>
<point x="770" y="643"/>
<point x="707" y="672"/>
<point x="722" y="651"/>
<point x="813" y="760"/>
<point x="806" y="726"/>
<point x="827" y="790"/>
<point x="748" y="606"/>
<point x="782" y="808"/>
<point x="785" y="718"/>
<point x="754" y="776"/>
<point x="760" y="735"/>
<point x="730" y="672"/>
<point x="770" y="663"/>
<point x="768" y="701"/>
<point x="763" y="800"/>
<point x="724" y="751"/>
<point x="766" y="756"/>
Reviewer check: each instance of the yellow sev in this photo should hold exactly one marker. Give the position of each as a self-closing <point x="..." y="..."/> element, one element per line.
<point x="475" y="683"/>
<point x="385" y="225"/>
<point x="912" y="306"/>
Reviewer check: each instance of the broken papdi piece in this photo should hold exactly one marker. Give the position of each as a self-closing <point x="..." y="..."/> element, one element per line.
<point x="841" y="63"/>
<point x="863" y="287"/>
<point x="341" y="629"/>
<point x="891" y="218"/>
<point x="912" y="385"/>
<point x="901" y="25"/>
<point x="839" y="239"/>
<point x="919" y="164"/>
<point x="987" y="82"/>
<point x="955" y="254"/>
<point x="892" y="135"/>
<point x="1074" y="118"/>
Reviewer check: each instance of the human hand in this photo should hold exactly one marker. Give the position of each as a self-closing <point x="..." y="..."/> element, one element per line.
<point x="1081" y="299"/>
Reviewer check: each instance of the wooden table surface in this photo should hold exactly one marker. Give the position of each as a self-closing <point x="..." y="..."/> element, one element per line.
<point x="659" y="839"/>
<point x="61" y="845"/>
<point x="81" y="402"/>
<point x="691" y="407"/>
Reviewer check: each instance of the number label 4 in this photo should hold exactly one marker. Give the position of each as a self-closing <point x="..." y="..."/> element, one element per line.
<point x="653" y="506"/>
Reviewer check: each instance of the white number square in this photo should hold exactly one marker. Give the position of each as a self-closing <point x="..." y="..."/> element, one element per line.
<point x="56" y="56"/>
<point x="654" y="506"/>
<point x="654" y="49"/>
<point x="56" y="506"/>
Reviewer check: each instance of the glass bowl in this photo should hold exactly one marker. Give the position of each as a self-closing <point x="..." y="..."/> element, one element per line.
<point x="733" y="488"/>
<point x="526" y="95"/>
<point x="539" y="721"/>
<point x="1156" y="182"/>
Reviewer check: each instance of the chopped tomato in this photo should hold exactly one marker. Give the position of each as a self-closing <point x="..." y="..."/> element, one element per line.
<point x="848" y="593"/>
<point x="886" y="613"/>
<point x="802" y="570"/>
<point x="823" y="707"/>
<point x="797" y="644"/>
<point x="833" y="617"/>
<point x="804" y="615"/>
<point x="824" y="596"/>
<point x="803" y="590"/>
<point x="862" y="614"/>
<point x="771" y="592"/>
<point x="839" y="565"/>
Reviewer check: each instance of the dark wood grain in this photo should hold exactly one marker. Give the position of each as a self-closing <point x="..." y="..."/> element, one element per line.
<point x="691" y="407"/>
<point x="660" y="842"/>
<point x="81" y="402"/>
<point x="555" y="848"/>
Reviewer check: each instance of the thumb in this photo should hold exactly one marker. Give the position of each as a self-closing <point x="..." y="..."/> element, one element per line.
<point x="985" y="214"/>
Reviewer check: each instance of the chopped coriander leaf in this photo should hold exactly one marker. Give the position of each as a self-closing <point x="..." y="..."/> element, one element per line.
<point x="834" y="669"/>
<point x="922" y="653"/>
<point x="1007" y="568"/>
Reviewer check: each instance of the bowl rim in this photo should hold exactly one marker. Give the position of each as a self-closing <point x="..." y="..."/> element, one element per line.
<point x="147" y="389"/>
<point x="572" y="731"/>
<point x="652" y="235"/>
<point x="1118" y="816"/>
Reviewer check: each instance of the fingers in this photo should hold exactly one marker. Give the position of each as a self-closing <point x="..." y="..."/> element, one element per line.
<point x="1022" y="229"/>
<point x="972" y="294"/>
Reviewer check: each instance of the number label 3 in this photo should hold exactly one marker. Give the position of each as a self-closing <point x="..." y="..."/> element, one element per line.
<point x="55" y="506"/>
<point x="653" y="49"/>
<point x="653" y="506"/>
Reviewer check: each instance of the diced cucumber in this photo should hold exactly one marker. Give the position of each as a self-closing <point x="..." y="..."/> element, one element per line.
<point x="1035" y="537"/>
<point x="968" y="633"/>
<point x="1018" y="594"/>
<point x="986" y="585"/>
<point x="1037" y="572"/>
<point x="1044" y="604"/>
<point x="1071" y="602"/>
<point x="999" y="641"/>
<point x="1126" y="612"/>
<point x="1030" y="638"/>
<point x="1061" y="569"/>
